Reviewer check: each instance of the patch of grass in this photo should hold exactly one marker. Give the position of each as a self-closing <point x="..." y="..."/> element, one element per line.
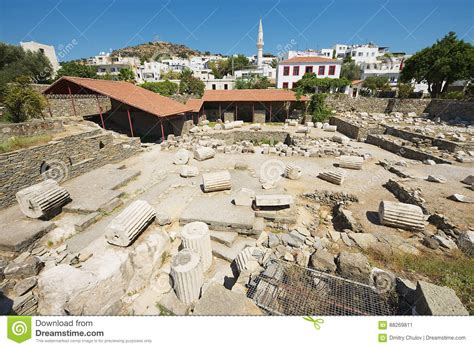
<point x="16" y="143"/>
<point x="212" y="124"/>
<point x="165" y="256"/>
<point x="163" y="310"/>
<point x="455" y="271"/>
<point x="277" y="230"/>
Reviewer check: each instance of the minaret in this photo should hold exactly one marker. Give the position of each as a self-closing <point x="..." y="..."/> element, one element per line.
<point x="260" y="45"/>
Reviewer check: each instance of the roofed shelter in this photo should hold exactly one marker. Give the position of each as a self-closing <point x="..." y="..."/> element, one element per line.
<point x="248" y="105"/>
<point x="135" y="111"/>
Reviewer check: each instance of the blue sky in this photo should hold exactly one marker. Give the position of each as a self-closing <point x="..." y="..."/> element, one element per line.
<point x="231" y="26"/>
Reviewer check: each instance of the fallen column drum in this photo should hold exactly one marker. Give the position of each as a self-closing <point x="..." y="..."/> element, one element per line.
<point x="187" y="274"/>
<point x="195" y="236"/>
<point x="132" y="221"/>
<point x="401" y="215"/>
<point x="216" y="181"/>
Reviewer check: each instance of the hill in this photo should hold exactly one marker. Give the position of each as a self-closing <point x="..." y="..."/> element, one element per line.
<point x="156" y="50"/>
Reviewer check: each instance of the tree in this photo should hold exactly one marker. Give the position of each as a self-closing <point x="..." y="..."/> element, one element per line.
<point x="16" y="62"/>
<point x="166" y="88"/>
<point x="350" y="71"/>
<point x="376" y="83"/>
<point x="22" y="101"/>
<point x="76" y="69"/>
<point x="310" y="83"/>
<point x="317" y="107"/>
<point x="274" y="63"/>
<point x="404" y="90"/>
<point x="190" y="84"/>
<point x="254" y="82"/>
<point x="446" y="61"/>
<point x="126" y="74"/>
<point x="170" y="75"/>
<point x="224" y="67"/>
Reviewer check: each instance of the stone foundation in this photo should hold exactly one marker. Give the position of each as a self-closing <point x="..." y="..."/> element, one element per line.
<point x="65" y="158"/>
<point x="28" y="129"/>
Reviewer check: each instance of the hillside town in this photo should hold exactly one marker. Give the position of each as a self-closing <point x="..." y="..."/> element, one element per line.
<point x="160" y="180"/>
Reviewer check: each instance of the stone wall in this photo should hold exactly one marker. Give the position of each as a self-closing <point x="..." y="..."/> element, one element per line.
<point x="353" y="130"/>
<point x="442" y="144"/>
<point x="61" y="159"/>
<point x="36" y="127"/>
<point x="234" y="136"/>
<point x="60" y="105"/>
<point x="404" y="151"/>
<point x="451" y="109"/>
<point x="443" y="108"/>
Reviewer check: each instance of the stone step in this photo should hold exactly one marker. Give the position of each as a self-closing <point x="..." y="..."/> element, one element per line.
<point x="223" y="237"/>
<point x="230" y="253"/>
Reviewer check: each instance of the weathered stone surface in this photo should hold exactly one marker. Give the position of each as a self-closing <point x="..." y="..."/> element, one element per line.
<point x="195" y="236"/>
<point x="351" y="162"/>
<point x="334" y="176"/>
<point x="181" y="157"/>
<point x="401" y="215"/>
<point x="43" y="200"/>
<point x="26" y="304"/>
<point x="322" y="260"/>
<point x="25" y="285"/>
<point x="466" y="242"/>
<point x="189" y="171"/>
<point x="187" y="274"/>
<point x="273" y="200"/>
<point x="383" y="281"/>
<point x="468" y="180"/>
<point x="292" y="171"/>
<point x="162" y="218"/>
<point x="217" y="181"/>
<point x="341" y="139"/>
<point x="364" y="241"/>
<point x="344" y="219"/>
<point x="203" y="153"/>
<point x="28" y="267"/>
<point x="354" y="266"/>
<point x="247" y="259"/>
<point x="217" y="300"/>
<point x="436" y="178"/>
<point x="244" y="197"/>
<point x="273" y="240"/>
<point x="461" y="198"/>
<point x="431" y="299"/>
<point x="132" y="221"/>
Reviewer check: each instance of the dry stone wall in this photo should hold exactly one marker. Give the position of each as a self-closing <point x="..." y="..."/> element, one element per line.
<point x="60" y="105"/>
<point x="32" y="128"/>
<point x="65" y="157"/>
<point x="442" y="108"/>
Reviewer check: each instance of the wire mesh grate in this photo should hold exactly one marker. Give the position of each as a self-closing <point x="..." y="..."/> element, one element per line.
<point x="288" y="289"/>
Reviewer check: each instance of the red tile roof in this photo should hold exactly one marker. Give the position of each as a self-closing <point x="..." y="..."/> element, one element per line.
<point x="124" y="92"/>
<point x="194" y="104"/>
<point x="250" y="95"/>
<point x="309" y="60"/>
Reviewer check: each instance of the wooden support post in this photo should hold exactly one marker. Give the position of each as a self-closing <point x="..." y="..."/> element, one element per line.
<point x="100" y="112"/>
<point x="270" y="112"/>
<point x="220" y="112"/>
<point x="236" y="117"/>
<point x="287" y="110"/>
<point x="162" y="130"/>
<point x="130" y="121"/>
<point x="72" y="99"/>
<point x="253" y="111"/>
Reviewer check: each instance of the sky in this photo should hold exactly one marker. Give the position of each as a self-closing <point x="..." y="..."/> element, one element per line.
<point x="83" y="28"/>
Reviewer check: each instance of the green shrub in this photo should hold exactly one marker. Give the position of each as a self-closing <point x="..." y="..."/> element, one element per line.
<point x="456" y="95"/>
<point x="23" y="102"/>
<point x="16" y="143"/>
<point x="317" y="107"/>
<point x="404" y="90"/>
<point x="165" y="88"/>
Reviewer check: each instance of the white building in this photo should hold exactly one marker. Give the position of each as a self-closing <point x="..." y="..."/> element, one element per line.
<point x="151" y="71"/>
<point x="367" y="53"/>
<point x="107" y="64"/>
<point x="264" y="71"/>
<point x="325" y="52"/>
<point x="47" y="50"/>
<point x="291" y="70"/>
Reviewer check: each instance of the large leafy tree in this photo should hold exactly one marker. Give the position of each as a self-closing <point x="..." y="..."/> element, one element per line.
<point x="190" y="84"/>
<point x="446" y="61"/>
<point x="376" y="83"/>
<point x="166" y="88"/>
<point x="224" y="67"/>
<point x="16" y="62"/>
<point x="310" y="83"/>
<point x="350" y="70"/>
<point x="254" y="82"/>
<point x="77" y="69"/>
<point x="22" y="101"/>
